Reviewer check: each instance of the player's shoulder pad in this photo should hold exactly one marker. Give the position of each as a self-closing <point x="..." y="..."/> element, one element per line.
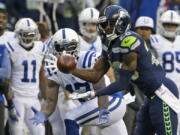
<point x="47" y="44"/>
<point x="154" y="38"/>
<point x="9" y="34"/>
<point x="178" y="37"/>
<point x="41" y="47"/>
<point x="87" y="58"/>
<point x="130" y="40"/>
<point x="11" y="46"/>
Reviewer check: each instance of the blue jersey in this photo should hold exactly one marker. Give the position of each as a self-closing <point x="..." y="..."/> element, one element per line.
<point x="149" y="74"/>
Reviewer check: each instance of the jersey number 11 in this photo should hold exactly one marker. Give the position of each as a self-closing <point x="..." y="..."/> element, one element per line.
<point x="25" y="76"/>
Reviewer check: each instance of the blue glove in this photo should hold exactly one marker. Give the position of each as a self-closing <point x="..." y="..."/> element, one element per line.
<point x="103" y="117"/>
<point x="13" y="113"/>
<point x="39" y="117"/>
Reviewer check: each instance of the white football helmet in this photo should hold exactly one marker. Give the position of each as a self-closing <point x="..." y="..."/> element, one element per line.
<point x="87" y="17"/>
<point x="65" y="41"/>
<point x="27" y="32"/>
<point x="169" y="17"/>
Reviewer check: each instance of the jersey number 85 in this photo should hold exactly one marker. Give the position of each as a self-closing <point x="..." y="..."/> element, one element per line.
<point x="169" y="60"/>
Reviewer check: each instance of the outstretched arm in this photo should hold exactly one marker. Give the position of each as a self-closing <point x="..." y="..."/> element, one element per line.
<point x="102" y="100"/>
<point x="51" y="98"/>
<point x="126" y="71"/>
<point x="42" y="82"/>
<point x="93" y="75"/>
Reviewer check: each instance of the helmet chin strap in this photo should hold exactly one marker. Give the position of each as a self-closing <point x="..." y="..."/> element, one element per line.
<point x="169" y="34"/>
<point x="25" y="45"/>
<point x="91" y="36"/>
<point x="111" y="36"/>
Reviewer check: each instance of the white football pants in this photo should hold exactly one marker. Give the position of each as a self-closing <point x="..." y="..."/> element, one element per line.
<point x="57" y="118"/>
<point x="87" y="114"/>
<point x="23" y="105"/>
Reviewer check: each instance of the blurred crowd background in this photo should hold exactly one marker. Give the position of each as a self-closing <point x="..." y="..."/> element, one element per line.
<point x="52" y="15"/>
<point x="64" y="12"/>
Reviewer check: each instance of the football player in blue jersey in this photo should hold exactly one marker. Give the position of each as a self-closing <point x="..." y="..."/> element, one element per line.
<point x="128" y="54"/>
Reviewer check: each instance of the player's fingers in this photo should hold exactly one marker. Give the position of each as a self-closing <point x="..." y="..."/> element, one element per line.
<point x="34" y="109"/>
<point x="33" y="119"/>
<point x="13" y="118"/>
<point x="49" y="61"/>
<point x="18" y="114"/>
<point x="34" y="122"/>
<point x="52" y="56"/>
<point x="49" y="66"/>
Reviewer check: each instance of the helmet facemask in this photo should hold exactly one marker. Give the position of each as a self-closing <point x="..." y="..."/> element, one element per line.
<point x="114" y="27"/>
<point x="64" y="47"/>
<point x="27" y="38"/>
<point x="88" y="30"/>
<point x="170" y="30"/>
<point x="169" y="24"/>
<point x="27" y="32"/>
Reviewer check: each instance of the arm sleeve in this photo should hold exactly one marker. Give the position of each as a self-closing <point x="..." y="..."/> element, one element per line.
<point x="5" y="70"/>
<point x="121" y="84"/>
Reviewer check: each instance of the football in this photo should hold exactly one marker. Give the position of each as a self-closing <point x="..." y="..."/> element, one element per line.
<point x="66" y="63"/>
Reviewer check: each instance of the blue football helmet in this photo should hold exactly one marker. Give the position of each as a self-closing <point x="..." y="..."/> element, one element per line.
<point x="113" y="22"/>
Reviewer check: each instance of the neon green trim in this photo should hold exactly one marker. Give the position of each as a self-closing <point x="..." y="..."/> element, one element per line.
<point x="167" y="119"/>
<point x="152" y="97"/>
<point x="128" y="41"/>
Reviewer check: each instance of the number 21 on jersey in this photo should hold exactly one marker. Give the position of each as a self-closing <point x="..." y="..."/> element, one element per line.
<point x="26" y="65"/>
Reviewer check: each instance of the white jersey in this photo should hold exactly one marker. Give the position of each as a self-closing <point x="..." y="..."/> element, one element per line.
<point x="72" y="83"/>
<point x="95" y="46"/>
<point x="168" y="55"/>
<point x="26" y="67"/>
<point x="7" y="36"/>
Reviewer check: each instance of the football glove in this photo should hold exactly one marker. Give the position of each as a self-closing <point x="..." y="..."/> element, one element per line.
<point x="39" y="117"/>
<point x="103" y="117"/>
<point x="89" y="94"/>
<point x="51" y="63"/>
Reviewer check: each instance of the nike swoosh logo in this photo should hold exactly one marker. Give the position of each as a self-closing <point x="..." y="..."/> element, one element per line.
<point x="126" y="41"/>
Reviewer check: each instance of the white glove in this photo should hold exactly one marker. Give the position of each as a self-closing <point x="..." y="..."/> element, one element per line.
<point x="129" y="98"/>
<point x="89" y="94"/>
<point x="51" y="63"/>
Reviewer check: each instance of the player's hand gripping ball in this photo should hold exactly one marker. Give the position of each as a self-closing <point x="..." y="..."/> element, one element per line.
<point x="66" y="63"/>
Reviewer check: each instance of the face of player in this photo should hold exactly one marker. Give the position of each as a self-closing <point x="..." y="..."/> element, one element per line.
<point x="28" y="37"/>
<point x="3" y="21"/>
<point x="145" y="32"/>
<point x="65" y="48"/>
<point x="90" y="28"/>
<point x="108" y="26"/>
<point x="170" y="26"/>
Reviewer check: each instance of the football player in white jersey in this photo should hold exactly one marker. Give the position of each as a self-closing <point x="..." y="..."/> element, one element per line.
<point x="66" y="41"/>
<point x="56" y="119"/>
<point x="87" y="23"/>
<point x="26" y="56"/>
<point x="166" y="44"/>
<point x="90" y="40"/>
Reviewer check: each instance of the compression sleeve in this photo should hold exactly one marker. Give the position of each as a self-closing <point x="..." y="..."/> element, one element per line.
<point x="121" y="84"/>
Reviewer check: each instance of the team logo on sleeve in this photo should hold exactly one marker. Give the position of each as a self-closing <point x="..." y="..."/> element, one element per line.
<point x="129" y="41"/>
